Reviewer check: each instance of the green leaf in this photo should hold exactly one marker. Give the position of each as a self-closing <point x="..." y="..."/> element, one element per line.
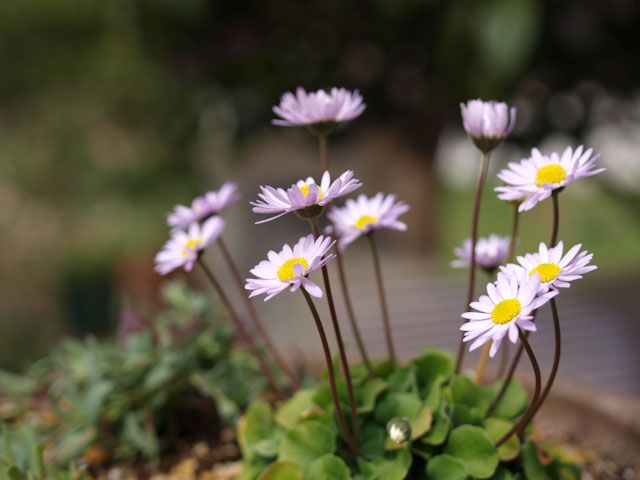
<point x="143" y="439"/>
<point x="290" y="411"/>
<point x="327" y="467"/>
<point x="504" y="474"/>
<point x="496" y="428"/>
<point x="432" y="365"/>
<point x="473" y="446"/>
<point x="439" y="430"/>
<point x="382" y="468"/>
<point x="403" y="380"/>
<point x="307" y="441"/>
<point x="74" y="443"/>
<point x="533" y="469"/>
<point x="367" y="394"/>
<point x="398" y="405"/>
<point x="446" y="467"/>
<point x="421" y="424"/>
<point x="282" y="471"/>
<point x="256" y="427"/>
<point x="469" y="401"/>
<point x="512" y="404"/>
<point x="95" y="399"/>
<point x="373" y="440"/>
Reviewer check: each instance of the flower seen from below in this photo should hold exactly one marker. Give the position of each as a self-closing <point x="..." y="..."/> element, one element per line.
<point x="184" y="247"/>
<point x="508" y="305"/>
<point x="209" y="204"/>
<point x="364" y="215"/>
<point x="305" y="197"/>
<point x="487" y="123"/>
<point x="491" y="251"/>
<point x="289" y="268"/>
<point x="538" y="176"/>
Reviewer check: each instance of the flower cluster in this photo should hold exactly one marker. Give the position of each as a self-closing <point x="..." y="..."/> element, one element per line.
<point x="194" y="228"/>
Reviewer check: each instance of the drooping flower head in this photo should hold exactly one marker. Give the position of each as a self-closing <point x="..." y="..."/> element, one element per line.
<point x="508" y="305"/>
<point x="304" y="197"/>
<point x="209" y="204"/>
<point x="319" y="111"/>
<point x="289" y="268"/>
<point x="490" y="252"/>
<point x="365" y="215"/>
<point x="555" y="269"/>
<point x="487" y="123"/>
<point x="184" y="247"/>
<point x="539" y="175"/>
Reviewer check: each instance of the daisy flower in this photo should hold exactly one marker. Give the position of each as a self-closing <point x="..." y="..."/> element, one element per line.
<point x="289" y="268"/>
<point x="184" y="247"/>
<point x="539" y="175"/>
<point x="487" y="123"/>
<point x="209" y="204"/>
<point x="365" y="215"/>
<point x="318" y="109"/>
<point x="490" y="252"/>
<point x="305" y="197"/>
<point x="555" y="269"/>
<point x="508" y="305"/>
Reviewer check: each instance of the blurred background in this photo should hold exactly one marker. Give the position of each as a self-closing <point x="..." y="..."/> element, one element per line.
<point x="112" y="112"/>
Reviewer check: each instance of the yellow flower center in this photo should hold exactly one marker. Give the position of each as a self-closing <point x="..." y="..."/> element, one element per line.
<point x="305" y="191"/>
<point x="505" y="311"/>
<point x="553" y="173"/>
<point x="547" y="271"/>
<point x="192" y="245"/>
<point x="286" y="272"/>
<point x="365" y="220"/>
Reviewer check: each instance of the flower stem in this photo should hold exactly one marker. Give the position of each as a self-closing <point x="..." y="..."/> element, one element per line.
<point x="484" y="356"/>
<point x="474" y="238"/>
<point x="332" y="376"/>
<point x="556" y="356"/>
<point x="324" y="158"/>
<point x="349" y="307"/>
<point x="336" y="327"/>
<point x="528" y="414"/>
<point x="383" y="298"/>
<point x="516" y="358"/>
<point x="255" y="317"/>
<point x="264" y="366"/>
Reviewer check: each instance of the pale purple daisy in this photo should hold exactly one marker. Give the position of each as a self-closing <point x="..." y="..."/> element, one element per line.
<point x="490" y="252"/>
<point x="184" y="247"/>
<point x="508" y="306"/>
<point x="289" y="268"/>
<point x="209" y="204"/>
<point x="555" y="269"/>
<point x="487" y="123"/>
<point x="306" y="109"/>
<point x="305" y="196"/>
<point x="538" y="176"/>
<point x="365" y="215"/>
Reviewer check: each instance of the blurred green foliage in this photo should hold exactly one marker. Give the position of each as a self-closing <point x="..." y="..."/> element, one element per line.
<point x="177" y="378"/>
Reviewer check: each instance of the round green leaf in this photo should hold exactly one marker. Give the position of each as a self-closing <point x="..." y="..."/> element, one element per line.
<point x="282" y="471"/>
<point x="255" y="426"/>
<point x="395" y="468"/>
<point x="533" y="469"/>
<point x="496" y="428"/>
<point x="327" y="467"/>
<point x="512" y="404"/>
<point x="307" y="441"/>
<point x="421" y="423"/>
<point x="473" y="446"/>
<point x="290" y="411"/>
<point x="398" y="405"/>
<point x="446" y="467"/>
<point x="367" y="394"/>
<point x="431" y="365"/>
<point x="439" y="430"/>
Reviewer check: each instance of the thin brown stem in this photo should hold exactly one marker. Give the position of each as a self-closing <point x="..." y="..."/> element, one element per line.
<point x="514" y="234"/>
<point x="255" y="317"/>
<point x="264" y="366"/>
<point x="556" y="356"/>
<point x="332" y="376"/>
<point x="556" y="219"/>
<point x="528" y="414"/>
<point x="507" y="380"/>
<point x="338" y="333"/>
<point x="350" y="313"/>
<point x="474" y="238"/>
<point x="383" y="299"/>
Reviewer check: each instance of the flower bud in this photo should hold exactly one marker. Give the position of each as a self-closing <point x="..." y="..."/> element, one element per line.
<point x="399" y="430"/>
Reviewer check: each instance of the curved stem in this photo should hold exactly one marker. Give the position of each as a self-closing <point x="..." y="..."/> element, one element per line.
<point x="264" y="366"/>
<point x="556" y="356"/>
<point x="556" y="219"/>
<point x="350" y="313"/>
<point x="474" y="238"/>
<point x="528" y="414"/>
<point x="332" y="376"/>
<point x="383" y="299"/>
<point x="338" y="333"/>
<point x="255" y="317"/>
<point x="505" y="384"/>
<point x="484" y="356"/>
